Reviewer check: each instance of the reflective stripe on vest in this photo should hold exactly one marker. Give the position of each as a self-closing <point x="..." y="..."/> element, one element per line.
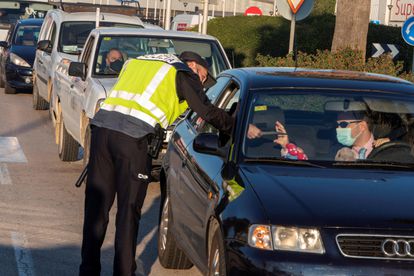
<point x="157" y="102"/>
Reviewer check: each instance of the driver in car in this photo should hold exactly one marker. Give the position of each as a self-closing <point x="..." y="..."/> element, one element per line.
<point x="353" y="131"/>
<point x="114" y="61"/>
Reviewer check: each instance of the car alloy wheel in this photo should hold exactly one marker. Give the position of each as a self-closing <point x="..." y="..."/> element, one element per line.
<point x="164" y="226"/>
<point x="216" y="263"/>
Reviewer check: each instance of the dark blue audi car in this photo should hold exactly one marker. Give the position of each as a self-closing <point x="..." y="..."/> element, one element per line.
<point x="327" y="187"/>
<point x="17" y="55"/>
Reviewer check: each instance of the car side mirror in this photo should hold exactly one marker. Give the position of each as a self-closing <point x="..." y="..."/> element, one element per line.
<point x="44" y="45"/>
<point x="4" y="44"/>
<point x="77" y="69"/>
<point x="208" y="143"/>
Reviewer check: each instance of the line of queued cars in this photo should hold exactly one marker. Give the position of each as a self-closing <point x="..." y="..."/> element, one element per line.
<point x="70" y="76"/>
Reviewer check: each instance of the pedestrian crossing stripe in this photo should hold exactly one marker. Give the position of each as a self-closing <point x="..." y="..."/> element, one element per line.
<point x="10" y="151"/>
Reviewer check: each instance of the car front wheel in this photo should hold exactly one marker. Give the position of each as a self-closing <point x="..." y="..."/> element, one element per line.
<point x="68" y="147"/>
<point x="217" y="261"/>
<point x="169" y="254"/>
<point x="38" y="102"/>
<point x="8" y="89"/>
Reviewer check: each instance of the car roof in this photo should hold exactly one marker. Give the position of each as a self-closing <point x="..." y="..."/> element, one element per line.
<point x="30" y="21"/>
<point x="152" y="32"/>
<point x="256" y="78"/>
<point x="63" y="16"/>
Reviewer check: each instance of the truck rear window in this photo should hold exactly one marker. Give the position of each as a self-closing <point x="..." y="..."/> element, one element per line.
<point x="73" y="35"/>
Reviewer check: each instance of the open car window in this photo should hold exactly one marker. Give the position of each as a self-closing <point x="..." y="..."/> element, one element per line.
<point x="224" y="94"/>
<point x="381" y="126"/>
<point x="135" y="46"/>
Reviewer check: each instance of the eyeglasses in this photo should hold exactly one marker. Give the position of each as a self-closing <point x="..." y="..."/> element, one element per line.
<point x="345" y="124"/>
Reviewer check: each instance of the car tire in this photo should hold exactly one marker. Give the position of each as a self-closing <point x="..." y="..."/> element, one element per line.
<point x="86" y="145"/>
<point x="68" y="147"/>
<point x="8" y="89"/>
<point x="169" y="255"/>
<point x="1" y="79"/>
<point x="216" y="259"/>
<point x="38" y="102"/>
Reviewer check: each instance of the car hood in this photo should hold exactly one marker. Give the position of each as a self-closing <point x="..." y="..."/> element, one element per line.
<point x="27" y="53"/>
<point x="334" y="197"/>
<point x="107" y="84"/>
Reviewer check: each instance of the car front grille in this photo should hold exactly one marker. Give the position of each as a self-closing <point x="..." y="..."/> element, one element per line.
<point x="376" y="246"/>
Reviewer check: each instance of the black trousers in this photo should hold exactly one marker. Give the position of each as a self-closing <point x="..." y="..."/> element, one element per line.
<point x="118" y="165"/>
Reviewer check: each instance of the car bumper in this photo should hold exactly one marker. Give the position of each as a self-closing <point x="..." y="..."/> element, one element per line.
<point x="245" y="260"/>
<point x="19" y="77"/>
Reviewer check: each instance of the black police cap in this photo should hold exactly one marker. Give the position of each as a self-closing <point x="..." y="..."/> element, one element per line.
<point x="191" y="56"/>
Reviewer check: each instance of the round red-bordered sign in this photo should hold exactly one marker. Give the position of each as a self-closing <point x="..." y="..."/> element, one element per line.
<point x="253" y="11"/>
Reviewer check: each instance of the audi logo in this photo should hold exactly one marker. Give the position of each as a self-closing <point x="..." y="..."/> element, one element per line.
<point x="398" y="248"/>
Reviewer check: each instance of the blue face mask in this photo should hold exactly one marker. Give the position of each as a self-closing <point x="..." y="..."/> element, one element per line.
<point x="344" y="136"/>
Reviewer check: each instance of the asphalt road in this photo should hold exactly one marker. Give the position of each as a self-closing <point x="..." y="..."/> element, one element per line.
<point x="41" y="211"/>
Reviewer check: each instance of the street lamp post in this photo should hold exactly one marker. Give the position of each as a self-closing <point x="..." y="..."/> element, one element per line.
<point x="205" y="17"/>
<point x="168" y="15"/>
<point x="388" y="16"/>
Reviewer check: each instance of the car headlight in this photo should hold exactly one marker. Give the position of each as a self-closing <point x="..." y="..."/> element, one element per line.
<point x="260" y="236"/>
<point x="286" y="238"/>
<point x="15" y="59"/>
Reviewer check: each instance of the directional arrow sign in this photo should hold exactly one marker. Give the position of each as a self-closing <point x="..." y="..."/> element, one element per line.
<point x="295" y="5"/>
<point x="380" y="49"/>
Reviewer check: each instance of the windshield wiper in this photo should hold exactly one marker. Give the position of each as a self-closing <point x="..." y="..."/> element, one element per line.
<point x="284" y="161"/>
<point x="370" y="164"/>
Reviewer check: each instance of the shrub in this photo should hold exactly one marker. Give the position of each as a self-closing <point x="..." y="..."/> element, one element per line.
<point x="244" y="37"/>
<point x="346" y="59"/>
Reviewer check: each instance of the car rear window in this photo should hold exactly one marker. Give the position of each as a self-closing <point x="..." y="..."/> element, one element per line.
<point x="73" y="35"/>
<point x="26" y="35"/>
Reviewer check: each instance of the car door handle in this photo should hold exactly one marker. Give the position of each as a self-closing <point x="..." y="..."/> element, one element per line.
<point x="40" y="61"/>
<point x="71" y="86"/>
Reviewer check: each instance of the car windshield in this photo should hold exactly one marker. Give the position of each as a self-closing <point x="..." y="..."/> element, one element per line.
<point x="27" y="35"/>
<point x="344" y="128"/>
<point x="134" y="46"/>
<point x="73" y="35"/>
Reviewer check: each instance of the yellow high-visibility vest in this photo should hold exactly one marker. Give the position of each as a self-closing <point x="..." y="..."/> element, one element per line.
<point x="146" y="90"/>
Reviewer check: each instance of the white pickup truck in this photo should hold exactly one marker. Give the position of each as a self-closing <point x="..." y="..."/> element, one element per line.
<point x="63" y="35"/>
<point x="82" y="86"/>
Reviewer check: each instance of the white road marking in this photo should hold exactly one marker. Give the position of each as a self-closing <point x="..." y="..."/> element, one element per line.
<point x="22" y="254"/>
<point x="4" y="175"/>
<point x="10" y="151"/>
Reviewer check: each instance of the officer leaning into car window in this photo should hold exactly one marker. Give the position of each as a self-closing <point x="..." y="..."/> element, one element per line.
<point x="151" y="91"/>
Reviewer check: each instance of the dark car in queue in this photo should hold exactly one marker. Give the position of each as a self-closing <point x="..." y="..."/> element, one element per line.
<point x="17" y="55"/>
<point x="238" y="206"/>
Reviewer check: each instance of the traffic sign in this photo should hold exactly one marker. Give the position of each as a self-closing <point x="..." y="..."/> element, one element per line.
<point x="253" y="10"/>
<point x="285" y="10"/>
<point x="407" y="31"/>
<point x="295" y="5"/>
<point x="379" y="49"/>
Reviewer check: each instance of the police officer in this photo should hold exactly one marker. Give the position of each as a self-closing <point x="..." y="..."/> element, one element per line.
<point x="150" y="90"/>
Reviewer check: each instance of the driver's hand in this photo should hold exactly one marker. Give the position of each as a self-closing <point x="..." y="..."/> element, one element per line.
<point x="253" y="132"/>
<point x="380" y="141"/>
